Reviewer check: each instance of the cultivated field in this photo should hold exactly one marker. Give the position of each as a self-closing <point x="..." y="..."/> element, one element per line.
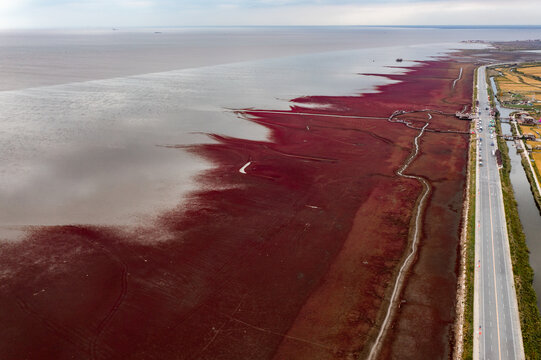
<point x="531" y="70"/>
<point x="518" y="84"/>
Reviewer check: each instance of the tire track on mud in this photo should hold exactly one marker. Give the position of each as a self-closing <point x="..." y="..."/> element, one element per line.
<point x="116" y="305"/>
<point x="78" y="338"/>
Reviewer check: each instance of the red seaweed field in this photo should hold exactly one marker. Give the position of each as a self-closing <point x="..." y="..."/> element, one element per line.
<point x="287" y="250"/>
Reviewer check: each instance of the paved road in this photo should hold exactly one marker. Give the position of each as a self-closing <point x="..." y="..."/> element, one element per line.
<point x="497" y="333"/>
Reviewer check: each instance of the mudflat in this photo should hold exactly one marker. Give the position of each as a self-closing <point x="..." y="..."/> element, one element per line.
<point x="287" y="251"/>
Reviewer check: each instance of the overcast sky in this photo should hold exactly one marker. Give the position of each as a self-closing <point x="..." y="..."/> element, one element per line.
<point x="117" y="13"/>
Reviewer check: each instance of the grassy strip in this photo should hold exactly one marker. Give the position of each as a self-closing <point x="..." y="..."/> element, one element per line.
<point x="513" y="129"/>
<point x="470" y="259"/>
<point x="531" y="180"/>
<point x="536" y="169"/>
<point x="467" y="329"/>
<point x="529" y="175"/>
<point x="530" y="319"/>
<point x="537" y="195"/>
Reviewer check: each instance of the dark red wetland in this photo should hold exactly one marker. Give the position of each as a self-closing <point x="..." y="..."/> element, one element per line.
<point x="286" y="252"/>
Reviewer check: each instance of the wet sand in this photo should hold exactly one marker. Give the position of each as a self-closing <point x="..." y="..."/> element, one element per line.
<point x="290" y="258"/>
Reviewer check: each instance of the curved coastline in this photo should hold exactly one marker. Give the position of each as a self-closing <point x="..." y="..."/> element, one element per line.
<point x="257" y="257"/>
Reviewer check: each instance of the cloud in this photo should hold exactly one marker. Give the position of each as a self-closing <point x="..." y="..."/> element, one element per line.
<point x="391" y="12"/>
<point x="76" y="13"/>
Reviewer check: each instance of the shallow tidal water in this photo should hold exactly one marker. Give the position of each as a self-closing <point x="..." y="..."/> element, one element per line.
<point x="87" y="116"/>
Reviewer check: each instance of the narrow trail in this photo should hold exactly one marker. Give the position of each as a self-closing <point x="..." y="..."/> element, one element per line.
<point x="409" y="124"/>
<point x="418" y="211"/>
<point x="286" y="112"/>
<point x="74" y="336"/>
<point x="282" y="335"/>
<point x="397" y="287"/>
<point x="458" y="78"/>
<point x="94" y="353"/>
<point x="244" y="115"/>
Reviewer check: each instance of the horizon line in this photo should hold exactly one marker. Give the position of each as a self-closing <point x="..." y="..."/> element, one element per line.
<point x="118" y="27"/>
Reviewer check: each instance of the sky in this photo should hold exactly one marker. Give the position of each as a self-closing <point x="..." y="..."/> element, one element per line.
<point x="118" y="13"/>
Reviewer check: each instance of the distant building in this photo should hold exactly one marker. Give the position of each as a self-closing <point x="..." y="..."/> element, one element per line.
<point x="528" y="120"/>
<point x="524" y="118"/>
<point x="465" y="115"/>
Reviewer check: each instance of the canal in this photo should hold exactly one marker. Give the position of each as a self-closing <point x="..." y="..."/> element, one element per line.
<point x="527" y="209"/>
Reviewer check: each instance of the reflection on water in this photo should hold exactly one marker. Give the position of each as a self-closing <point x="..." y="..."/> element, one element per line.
<point x="90" y="152"/>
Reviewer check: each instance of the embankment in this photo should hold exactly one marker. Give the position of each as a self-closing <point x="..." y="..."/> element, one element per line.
<point x="530" y="318"/>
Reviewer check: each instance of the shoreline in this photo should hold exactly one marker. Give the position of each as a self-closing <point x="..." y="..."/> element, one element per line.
<point x="266" y="260"/>
<point x="463" y="343"/>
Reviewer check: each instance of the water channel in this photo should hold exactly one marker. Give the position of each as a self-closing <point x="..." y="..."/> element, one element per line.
<point x="527" y="209"/>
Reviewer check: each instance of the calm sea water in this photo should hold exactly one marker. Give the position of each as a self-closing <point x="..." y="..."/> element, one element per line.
<point x="84" y="113"/>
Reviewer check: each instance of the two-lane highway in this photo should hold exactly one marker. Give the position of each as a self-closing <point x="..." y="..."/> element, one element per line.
<point x="497" y="333"/>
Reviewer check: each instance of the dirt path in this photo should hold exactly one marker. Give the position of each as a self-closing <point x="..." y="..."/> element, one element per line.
<point x="397" y="287"/>
<point x="458" y="78"/>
